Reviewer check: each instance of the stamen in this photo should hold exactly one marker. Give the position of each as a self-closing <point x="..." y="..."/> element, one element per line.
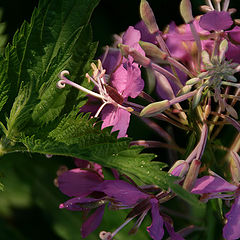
<point x="226" y="5"/>
<point x="123" y="225"/>
<point x="209" y="3"/>
<point x="62" y="83"/>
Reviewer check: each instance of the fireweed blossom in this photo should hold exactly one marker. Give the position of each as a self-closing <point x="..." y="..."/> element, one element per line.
<point x="214" y="186"/>
<point x="90" y="191"/>
<point x="80" y="184"/>
<point x="126" y="195"/>
<point x="116" y="79"/>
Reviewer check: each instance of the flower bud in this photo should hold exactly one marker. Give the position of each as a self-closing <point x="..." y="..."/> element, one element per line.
<point x="184" y="90"/>
<point x="193" y="81"/>
<point x="154" y="109"/>
<point x="235" y="166"/>
<point x="223" y="47"/>
<point x="148" y="16"/>
<point x="179" y="168"/>
<point x="197" y="98"/>
<point x="153" y="51"/>
<point x="192" y="175"/>
<point x="186" y="11"/>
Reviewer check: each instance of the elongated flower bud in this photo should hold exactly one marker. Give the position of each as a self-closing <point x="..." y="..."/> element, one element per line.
<point x="186" y="11"/>
<point x="235" y="166"/>
<point x="153" y="51"/>
<point x="179" y="168"/>
<point x="154" y="109"/>
<point x="148" y="17"/>
<point x="192" y="175"/>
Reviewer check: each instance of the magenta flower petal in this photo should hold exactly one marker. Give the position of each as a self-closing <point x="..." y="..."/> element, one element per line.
<point x="215" y="21"/>
<point x="77" y="182"/>
<point x="135" y="83"/>
<point x="131" y="38"/>
<point x="119" y="79"/>
<point x="233" y="52"/>
<point x="146" y="36"/>
<point x="156" y="229"/>
<point x="127" y="80"/>
<point x="112" y="60"/>
<point x="116" y="117"/>
<point x="234" y="34"/>
<point x="210" y="184"/>
<point x="122" y="191"/>
<point x="92" y="222"/>
<point x="231" y="230"/>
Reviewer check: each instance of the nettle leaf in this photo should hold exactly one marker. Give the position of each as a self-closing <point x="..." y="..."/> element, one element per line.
<point x="3" y="36"/>
<point x="40" y="50"/>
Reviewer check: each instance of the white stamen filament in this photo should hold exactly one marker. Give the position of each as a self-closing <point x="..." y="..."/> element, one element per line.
<point x="226" y="5"/>
<point x="122" y="226"/>
<point x="61" y="84"/>
<point x="100" y="109"/>
<point x="209" y="3"/>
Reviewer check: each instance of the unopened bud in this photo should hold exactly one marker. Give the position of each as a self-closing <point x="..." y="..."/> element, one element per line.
<point x="154" y="109"/>
<point x="184" y="90"/>
<point x="148" y="17"/>
<point x="124" y="49"/>
<point x="192" y="175"/>
<point x="179" y="169"/>
<point x="186" y="11"/>
<point x="207" y="111"/>
<point x="206" y="58"/>
<point x="235" y="166"/>
<point x="231" y="111"/>
<point x="192" y="81"/>
<point x="197" y="98"/>
<point x="223" y="47"/>
<point x="153" y="51"/>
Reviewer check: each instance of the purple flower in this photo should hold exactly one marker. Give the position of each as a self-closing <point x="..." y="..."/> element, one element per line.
<point x="216" y="21"/>
<point x="126" y="195"/>
<point x="216" y="187"/>
<point x="146" y="36"/>
<point x="79" y="184"/>
<point x="116" y="79"/>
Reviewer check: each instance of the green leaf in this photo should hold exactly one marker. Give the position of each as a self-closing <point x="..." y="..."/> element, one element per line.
<point x="3" y="36"/>
<point x="39" y="52"/>
<point x="103" y="149"/>
<point x="186" y="196"/>
<point x="44" y="43"/>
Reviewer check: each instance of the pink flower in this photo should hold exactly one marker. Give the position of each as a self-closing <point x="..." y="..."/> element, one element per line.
<point x="216" y="187"/>
<point x="216" y="21"/>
